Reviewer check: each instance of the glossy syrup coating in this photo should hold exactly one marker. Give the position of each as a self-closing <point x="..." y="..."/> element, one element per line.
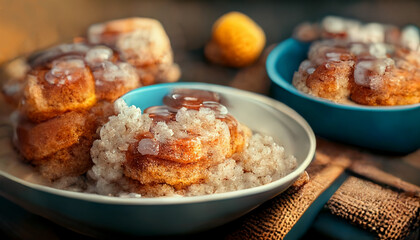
<point x="64" y="85"/>
<point x="369" y="74"/>
<point x="66" y="97"/>
<point x="189" y="98"/>
<point x="160" y="113"/>
<point x="370" y="64"/>
<point x="143" y="43"/>
<point x="63" y="94"/>
<point x="183" y="160"/>
<point x="72" y="77"/>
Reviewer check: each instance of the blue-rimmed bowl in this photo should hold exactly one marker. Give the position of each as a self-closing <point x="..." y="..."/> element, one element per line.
<point x="98" y="215"/>
<point x="393" y="129"/>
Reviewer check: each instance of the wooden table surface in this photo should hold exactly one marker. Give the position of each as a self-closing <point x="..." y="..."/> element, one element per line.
<point x="26" y="26"/>
<point x="303" y="211"/>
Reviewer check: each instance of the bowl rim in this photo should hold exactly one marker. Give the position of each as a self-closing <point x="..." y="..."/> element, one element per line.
<point x="279" y="80"/>
<point x="193" y="199"/>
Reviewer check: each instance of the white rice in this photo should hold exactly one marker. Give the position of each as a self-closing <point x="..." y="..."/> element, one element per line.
<point x="261" y="162"/>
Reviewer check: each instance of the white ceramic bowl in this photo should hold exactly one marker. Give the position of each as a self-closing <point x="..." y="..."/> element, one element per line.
<point x="97" y="215"/>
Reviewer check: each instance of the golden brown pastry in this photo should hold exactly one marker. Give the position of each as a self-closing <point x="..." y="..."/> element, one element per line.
<point x="357" y="65"/>
<point x="67" y="95"/>
<point x="183" y="161"/>
<point x="67" y="85"/>
<point x="392" y="86"/>
<point x="188" y="147"/>
<point x="143" y="43"/>
<point x="63" y="94"/>
<point x="60" y="146"/>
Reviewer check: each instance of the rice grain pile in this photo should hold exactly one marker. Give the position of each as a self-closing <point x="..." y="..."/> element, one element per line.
<point x="262" y="161"/>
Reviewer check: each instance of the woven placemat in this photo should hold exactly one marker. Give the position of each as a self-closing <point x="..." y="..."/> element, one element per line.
<point x="389" y="209"/>
<point x="387" y="213"/>
<point x="395" y="216"/>
<point x="275" y="218"/>
<point x="373" y="200"/>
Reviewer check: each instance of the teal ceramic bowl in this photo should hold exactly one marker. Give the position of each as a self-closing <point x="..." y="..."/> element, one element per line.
<point x="392" y="129"/>
<point x="101" y="216"/>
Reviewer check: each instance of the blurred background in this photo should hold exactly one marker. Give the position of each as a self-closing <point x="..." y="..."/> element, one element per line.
<point x="29" y="25"/>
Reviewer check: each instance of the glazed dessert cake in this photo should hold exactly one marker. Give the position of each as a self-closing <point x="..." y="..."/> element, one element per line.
<point x="72" y="127"/>
<point x="67" y="95"/>
<point x="372" y="64"/>
<point x="63" y="94"/>
<point x="143" y="43"/>
<point x="190" y="146"/>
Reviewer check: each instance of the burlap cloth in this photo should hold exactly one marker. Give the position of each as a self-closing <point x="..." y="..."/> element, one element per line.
<point x="377" y="202"/>
<point x="371" y="198"/>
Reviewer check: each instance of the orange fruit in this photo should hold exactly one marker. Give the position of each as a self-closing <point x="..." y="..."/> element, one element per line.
<point x="237" y="41"/>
